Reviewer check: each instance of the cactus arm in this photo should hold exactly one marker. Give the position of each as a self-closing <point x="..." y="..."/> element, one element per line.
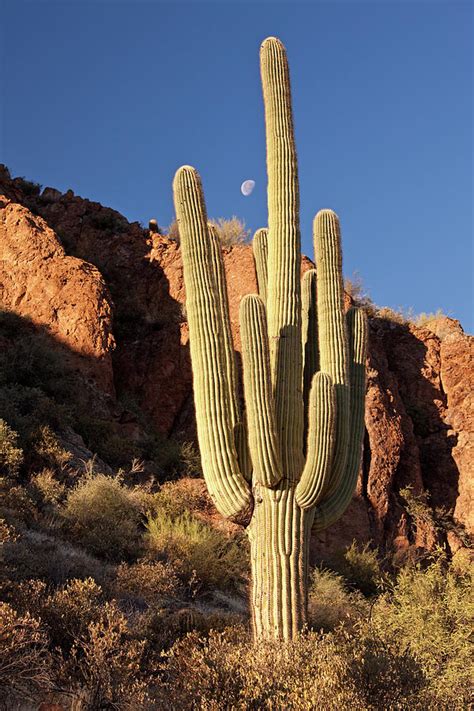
<point x="263" y="442"/>
<point x="284" y="256"/>
<point x="240" y="434"/>
<point x="333" y="346"/>
<point x="227" y="487"/>
<point x="260" y="254"/>
<point x="309" y="333"/>
<point x="334" y="506"/>
<point x="320" y="448"/>
<point x="243" y="453"/>
<point x="228" y="345"/>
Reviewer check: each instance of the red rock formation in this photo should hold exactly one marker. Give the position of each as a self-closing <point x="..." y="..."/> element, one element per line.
<point x="66" y="295"/>
<point x="419" y="414"/>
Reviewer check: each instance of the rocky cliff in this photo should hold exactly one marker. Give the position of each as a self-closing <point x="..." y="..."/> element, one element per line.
<point x="111" y="294"/>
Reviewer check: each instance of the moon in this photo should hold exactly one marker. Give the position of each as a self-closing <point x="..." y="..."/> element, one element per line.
<point x="247" y="187"/>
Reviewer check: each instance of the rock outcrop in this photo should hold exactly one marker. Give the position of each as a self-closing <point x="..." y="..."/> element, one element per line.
<point x="113" y="291"/>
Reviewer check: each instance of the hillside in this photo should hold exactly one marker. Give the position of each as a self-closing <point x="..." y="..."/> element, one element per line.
<point x="120" y="585"/>
<point x="109" y="297"/>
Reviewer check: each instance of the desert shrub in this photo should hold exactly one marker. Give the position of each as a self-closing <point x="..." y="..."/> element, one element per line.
<point x="417" y="506"/>
<point x="103" y="669"/>
<point x="197" y="549"/>
<point x="25" y="660"/>
<point x="429" y="614"/>
<point x="183" y="495"/>
<point x="360" y="567"/>
<point x="148" y="581"/>
<point x="330" y="603"/>
<point x="190" y="460"/>
<point x="11" y="456"/>
<point x="16" y="503"/>
<point x="230" y="231"/>
<point x="27" y="410"/>
<point x="355" y="288"/>
<point x="49" y="450"/>
<point x="69" y="610"/>
<point x="425" y="319"/>
<point x="160" y="628"/>
<point x="46" y="488"/>
<point x="330" y="672"/>
<point x="104" y="516"/>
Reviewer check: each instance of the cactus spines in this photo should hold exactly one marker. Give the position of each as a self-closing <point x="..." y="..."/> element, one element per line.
<point x="303" y="362"/>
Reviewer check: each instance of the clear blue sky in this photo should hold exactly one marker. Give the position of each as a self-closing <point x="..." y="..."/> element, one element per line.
<point x="110" y="97"/>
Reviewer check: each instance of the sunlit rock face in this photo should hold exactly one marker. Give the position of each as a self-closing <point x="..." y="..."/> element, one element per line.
<point x="112" y="293"/>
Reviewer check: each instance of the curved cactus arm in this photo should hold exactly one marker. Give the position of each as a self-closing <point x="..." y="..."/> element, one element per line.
<point x="333" y="346"/>
<point x="284" y="256"/>
<point x="227" y="487"/>
<point x="263" y="441"/>
<point x="320" y="449"/>
<point x="260" y="254"/>
<point x="309" y="333"/>
<point x="334" y="506"/>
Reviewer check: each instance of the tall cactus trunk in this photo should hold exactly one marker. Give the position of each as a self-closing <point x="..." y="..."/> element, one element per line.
<point x="279" y="535"/>
<point x="289" y="462"/>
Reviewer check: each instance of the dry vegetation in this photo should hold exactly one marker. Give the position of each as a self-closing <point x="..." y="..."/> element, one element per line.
<point x="122" y="595"/>
<point x="231" y="231"/>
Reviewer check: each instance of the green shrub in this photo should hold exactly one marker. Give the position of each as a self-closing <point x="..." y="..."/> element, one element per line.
<point x="330" y="603"/>
<point x="104" y="515"/>
<point x="360" y="567"/>
<point x="430" y="615"/>
<point x="11" y="456"/>
<point x="197" y="549"/>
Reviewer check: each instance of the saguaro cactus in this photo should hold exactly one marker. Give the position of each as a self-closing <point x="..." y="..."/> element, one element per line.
<point x="289" y="462"/>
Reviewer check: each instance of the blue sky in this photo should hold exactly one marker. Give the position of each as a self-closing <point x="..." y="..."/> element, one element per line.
<point x="110" y="97"/>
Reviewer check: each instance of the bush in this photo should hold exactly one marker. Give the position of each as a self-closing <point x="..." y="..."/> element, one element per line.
<point x="25" y="661"/>
<point x="11" y="456"/>
<point x="230" y="231"/>
<point x="360" y="567"/>
<point x="179" y="497"/>
<point x="49" y="450"/>
<point x="148" y="581"/>
<point x="330" y="603"/>
<point x="47" y="489"/>
<point x="104" y="665"/>
<point x="104" y="516"/>
<point x="430" y="615"/>
<point x="321" y="673"/>
<point x="197" y="549"/>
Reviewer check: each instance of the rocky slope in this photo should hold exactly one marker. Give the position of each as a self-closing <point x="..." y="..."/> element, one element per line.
<point x="112" y="294"/>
